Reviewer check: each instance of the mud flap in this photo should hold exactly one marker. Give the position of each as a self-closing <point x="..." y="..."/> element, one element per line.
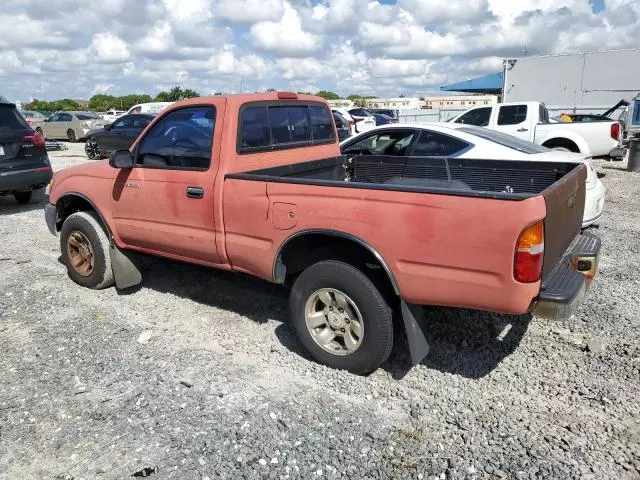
<point x="414" y="320"/>
<point x="125" y="272"/>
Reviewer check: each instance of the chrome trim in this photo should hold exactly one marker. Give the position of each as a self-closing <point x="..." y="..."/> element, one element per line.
<point x="334" y="233"/>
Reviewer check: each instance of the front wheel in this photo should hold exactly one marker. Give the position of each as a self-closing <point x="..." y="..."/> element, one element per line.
<point x="85" y="251"/>
<point x="92" y="149"/>
<point x="341" y="318"/>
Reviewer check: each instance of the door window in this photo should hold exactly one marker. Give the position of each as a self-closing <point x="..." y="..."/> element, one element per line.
<point x="64" y="117"/>
<point x="512" y="114"/>
<point x="394" y="143"/>
<point x="124" y="122"/>
<point x="182" y="140"/>
<point x="478" y="116"/>
<point x="139" y="122"/>
<point x="54" y="118"/>
<point x="434" y="144"/>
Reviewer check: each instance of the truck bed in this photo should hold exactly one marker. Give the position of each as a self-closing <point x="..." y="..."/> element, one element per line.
<point x="503" y="179"/>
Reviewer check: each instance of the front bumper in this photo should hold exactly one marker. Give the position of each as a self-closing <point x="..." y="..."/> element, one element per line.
<point x="23" y="180"/>
<point x="51" y="217"/>
<point x="564" y="290"/>
<point x="594" y="204"/>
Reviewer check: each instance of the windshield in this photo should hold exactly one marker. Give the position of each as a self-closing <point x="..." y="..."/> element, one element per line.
<point x="505" y="140"/>
<point x="87" y="116"/>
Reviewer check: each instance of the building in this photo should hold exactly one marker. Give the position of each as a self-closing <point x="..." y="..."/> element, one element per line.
<point x="444" y="102"/>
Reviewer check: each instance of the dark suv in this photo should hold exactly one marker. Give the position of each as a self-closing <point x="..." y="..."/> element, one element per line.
<point x="24" y="163"/>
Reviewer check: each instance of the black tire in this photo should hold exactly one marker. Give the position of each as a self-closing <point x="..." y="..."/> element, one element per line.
<point x="71" y="136"/>
<point x="377" y="339"/>
<point x="92" y="149"/>
<point x="90" y="226"/>
<point x="23" y="197"/>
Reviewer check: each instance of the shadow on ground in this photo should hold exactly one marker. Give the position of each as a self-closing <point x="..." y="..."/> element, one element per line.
<point x="463" y="342"/>
<point x="9" y="206"/>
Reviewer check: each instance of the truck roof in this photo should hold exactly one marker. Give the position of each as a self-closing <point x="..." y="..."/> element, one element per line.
<point x="237" y="99"/>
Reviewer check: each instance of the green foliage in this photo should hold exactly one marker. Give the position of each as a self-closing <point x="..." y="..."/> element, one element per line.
<point x="328" y="95"/>
<point x="42" y="105"/>
<point x="175" y="94"/>
<point x="102" y="102"/>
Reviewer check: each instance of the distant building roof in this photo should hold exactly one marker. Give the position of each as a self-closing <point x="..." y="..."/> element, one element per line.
<point x="487" y="84"/>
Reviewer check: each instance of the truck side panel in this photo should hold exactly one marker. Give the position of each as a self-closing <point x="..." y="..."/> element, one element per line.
<point x="442" y="249"/>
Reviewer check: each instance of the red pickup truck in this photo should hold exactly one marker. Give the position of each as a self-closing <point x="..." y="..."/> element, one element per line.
<point x="256" y="184"/>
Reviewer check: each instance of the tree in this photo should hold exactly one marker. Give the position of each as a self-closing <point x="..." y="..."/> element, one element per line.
<point x="44" y="106"/>
<point x="401" y="95"/>
<point x="175" y="94"/>
<point x="327" y="95"/>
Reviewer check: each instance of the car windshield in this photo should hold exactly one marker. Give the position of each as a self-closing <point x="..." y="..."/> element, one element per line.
<point x="87" y="116"/>
<point x="504" y="139"/>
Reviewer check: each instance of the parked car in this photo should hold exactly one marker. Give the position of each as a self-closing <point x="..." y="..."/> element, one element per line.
<point x="384" y="111"/>
<point x="152" y="108"/>
<point x="382" y="119"/>
<point x="118" y="135"/>
<point x="34" y="119"/>
<point x="530" y="121"/>
<point x="467" y="141"/>
<point x="356" y="125"/>
<point x="342" y="126"/>
<point x="112" y="115"/>
<point x="24" y="163"/>
<point x="356" y="238"/>
<point x="72" y="126"/>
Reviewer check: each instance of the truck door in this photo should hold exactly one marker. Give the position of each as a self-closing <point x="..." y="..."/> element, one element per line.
<point x="516" y="120"/>
<point x="165" y="203"/>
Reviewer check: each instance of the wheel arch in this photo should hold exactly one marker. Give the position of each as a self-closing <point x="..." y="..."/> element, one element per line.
<point x="323" y="244"/>
<point x="568" y="140"/>
<point x="72" y="202"/>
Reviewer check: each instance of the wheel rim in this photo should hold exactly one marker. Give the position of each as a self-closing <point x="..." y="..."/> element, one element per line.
<point x="72" y="136"/>
<point x="80" y="253"/>
<point x="334" y="321"/>
<point x="91" y="148"/>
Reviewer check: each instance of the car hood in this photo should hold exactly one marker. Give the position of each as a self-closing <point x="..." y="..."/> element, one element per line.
<point x="96" y="131"/>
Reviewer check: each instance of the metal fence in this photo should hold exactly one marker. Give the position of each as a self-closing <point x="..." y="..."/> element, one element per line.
<point x="419" y="115"/>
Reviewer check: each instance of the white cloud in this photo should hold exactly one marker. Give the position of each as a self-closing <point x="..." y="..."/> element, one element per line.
<point x="285" y="37"/>
<point x="109" y="49"/>
<point x="250" y="11"/>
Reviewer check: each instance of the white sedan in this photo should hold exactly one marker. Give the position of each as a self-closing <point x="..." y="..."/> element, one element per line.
<point x="467" y="141"/>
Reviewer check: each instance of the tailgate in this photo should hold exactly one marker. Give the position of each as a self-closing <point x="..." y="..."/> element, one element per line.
<point x="565" y="208"/>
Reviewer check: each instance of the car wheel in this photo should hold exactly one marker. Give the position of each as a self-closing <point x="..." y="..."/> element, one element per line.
<point x="85" y="251"/>
<point x="341" y="318"/>
<point x="71" y="136"/>
<point x="92" y="149"/>
<point x="23" y="197"/>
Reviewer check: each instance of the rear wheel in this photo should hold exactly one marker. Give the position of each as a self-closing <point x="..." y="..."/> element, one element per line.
<point x="71" y="136"/>
<point x="23" y="197"/>
<point x="341" y="318"/>
<point x="85" y="251"/>
<point x="92" y="149"/>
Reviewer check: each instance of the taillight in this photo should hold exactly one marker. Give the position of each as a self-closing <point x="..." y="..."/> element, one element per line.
<point x="527" y="266"/>
<point x="36" y="139"/>
<point x="84" y="125"/>
<point x="30" y="122"/>
<point x="615" y="131"/>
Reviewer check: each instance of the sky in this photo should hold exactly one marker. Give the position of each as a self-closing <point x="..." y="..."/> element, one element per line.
<point x="52" y="49"/>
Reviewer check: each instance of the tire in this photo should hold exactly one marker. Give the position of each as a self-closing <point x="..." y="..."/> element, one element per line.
<point x="92" y="149"/>
<point x="87" y="226"/>
<point x="23" y="197"/>
<point x="376" y="338"/>
<point x="71" y="136"/>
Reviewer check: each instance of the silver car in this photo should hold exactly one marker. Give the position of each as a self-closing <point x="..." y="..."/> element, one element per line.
<point x="34" y="119"/>
<point x="71" y="126"/>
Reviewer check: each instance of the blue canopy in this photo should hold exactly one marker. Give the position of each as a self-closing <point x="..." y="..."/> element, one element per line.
<point x="487" y="84"/>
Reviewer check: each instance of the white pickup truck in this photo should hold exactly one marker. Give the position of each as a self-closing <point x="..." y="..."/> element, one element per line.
<point x="530" y="121"/>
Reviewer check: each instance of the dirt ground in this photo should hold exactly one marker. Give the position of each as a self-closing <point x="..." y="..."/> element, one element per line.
<point x="197" y="375"/>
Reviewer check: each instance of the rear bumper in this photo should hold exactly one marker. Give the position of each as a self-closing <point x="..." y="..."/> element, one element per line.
<point x="563" y="291"/>
<point x="618" y="152"/>
<point x="24" y="180"/>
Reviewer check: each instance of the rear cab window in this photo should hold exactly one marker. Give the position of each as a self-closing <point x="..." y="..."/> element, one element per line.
<point x="283" y="125"/>
<point x="512" y="114"/>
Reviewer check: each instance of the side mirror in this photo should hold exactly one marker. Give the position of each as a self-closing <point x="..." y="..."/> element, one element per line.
<point x="121" y="159"/>
<point x="108" y="127"/>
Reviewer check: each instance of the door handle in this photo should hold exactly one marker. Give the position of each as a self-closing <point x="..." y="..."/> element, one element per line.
<point x="195" y="192"/>
<point x="522" y="130"/>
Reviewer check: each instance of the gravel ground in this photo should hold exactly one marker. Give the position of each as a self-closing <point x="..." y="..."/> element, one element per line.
<point x="198" y="376"/>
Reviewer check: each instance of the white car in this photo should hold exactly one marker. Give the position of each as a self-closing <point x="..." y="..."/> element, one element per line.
<point x="152" y="108"/>
<point x="112" y="115"/>
<point x="467" y="141"/>
<point x="356" y="125"/>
